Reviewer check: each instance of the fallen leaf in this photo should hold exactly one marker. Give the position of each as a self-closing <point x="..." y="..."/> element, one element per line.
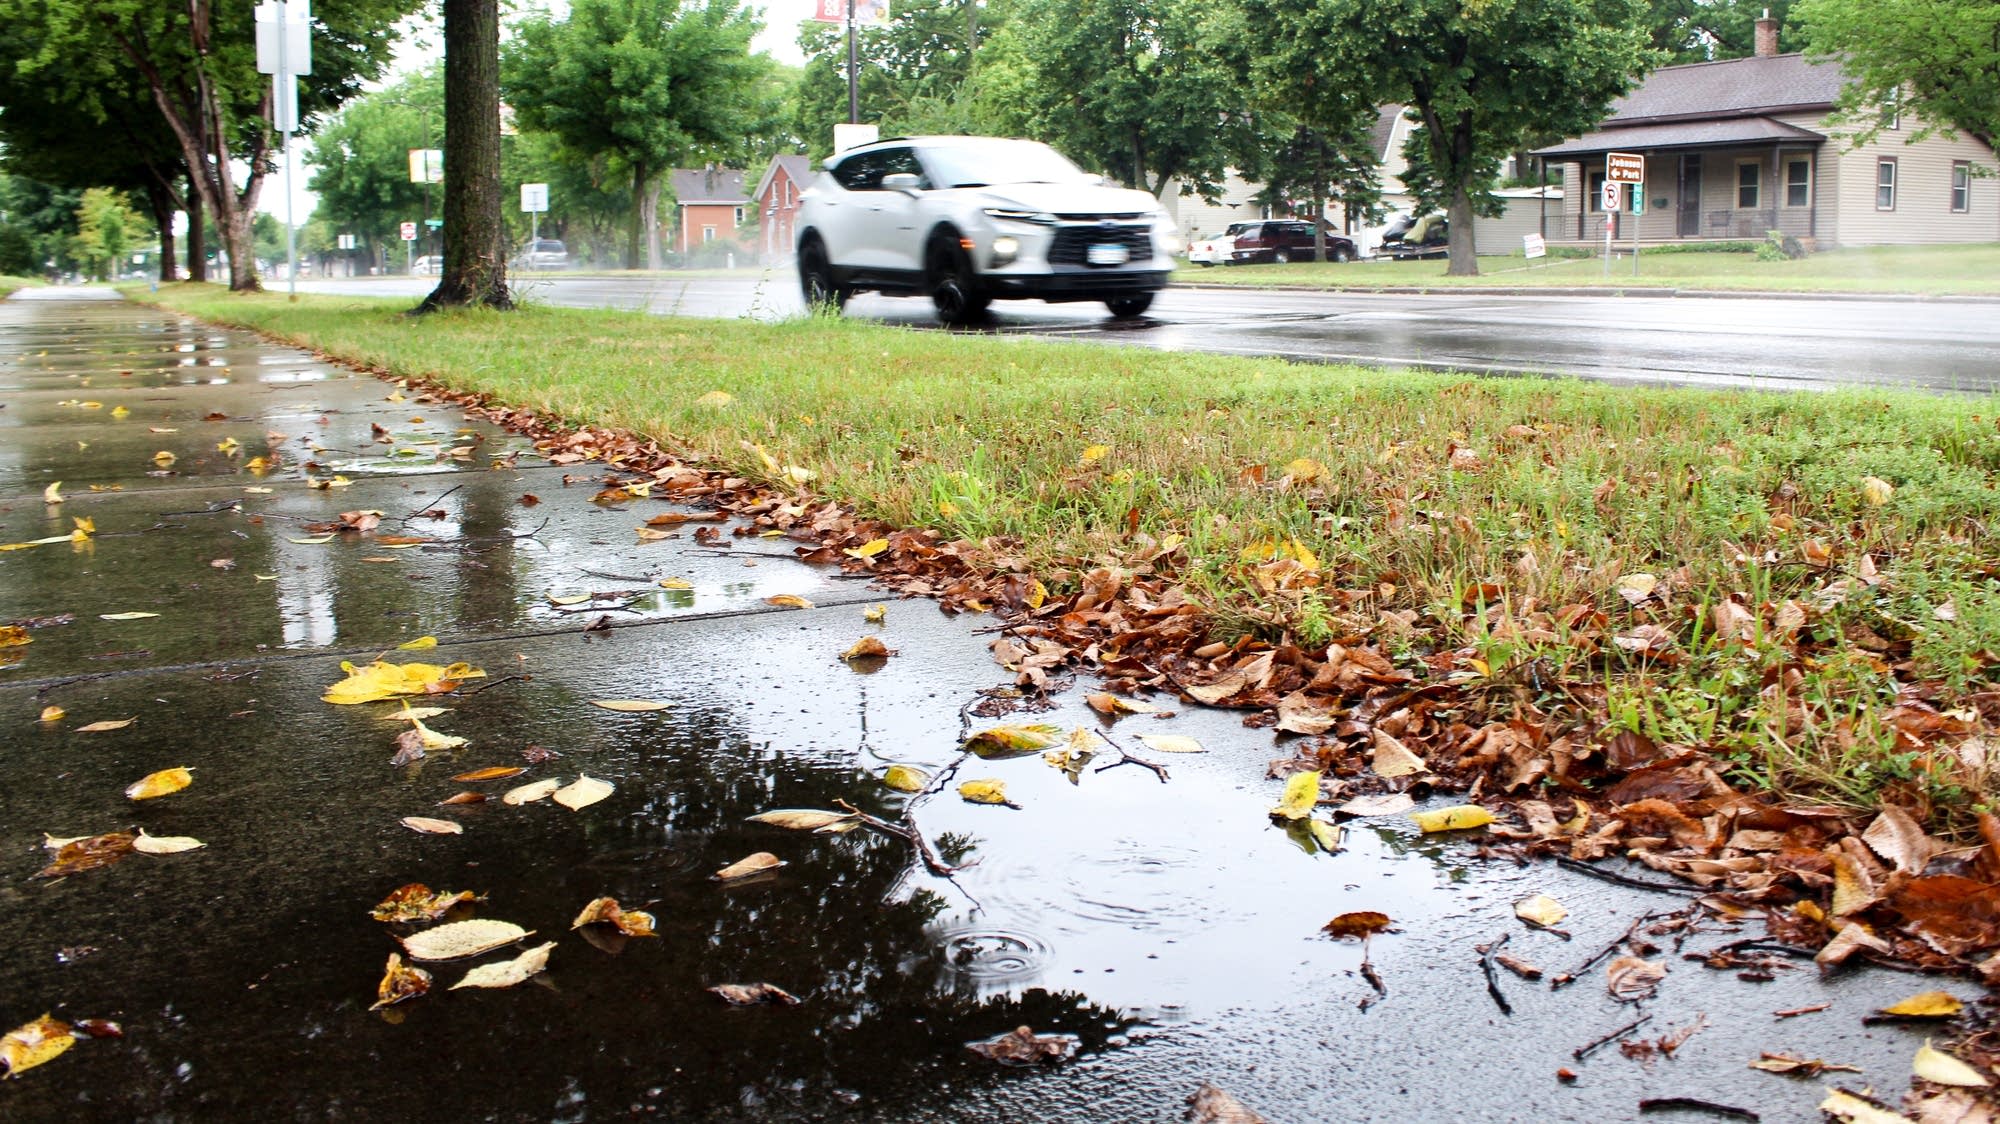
<point x="1876" y="491"/>
<point x="1899" y="839"/>
<point x="384" y="680"/>
<point x="875" y="614"/>
<point x="418" y="902"/>
<point x="1789" y="1064"/>
<point x="74" y="856"/>
<point x="745" y="867"/>
<point x="1390" y="804"/>
<point x="1844" y="1105"/>
<point x="1327" y="835"/>
<point x="461" y="939"/>
<point x="125" y="616"/>
<point x="1393" y="759"/>
<point x="1002" y="742"/>
<point x="490" y="773"/>
<point x="33" y="1043"/>
<point x="566" y="599"/>
<point x="1926" y="1005"/>
<point x="868" y="550"/>
<point x="429" y="826"/>
<point x="1211" y="1105"/>
<point x="1301" y="796"/>
<point x="1362" y="923"/>
<point x="1459" y="817"/>
<point x="163" y="458"/>
<point x="1172" y="743"/>
<point x="399" y="982"/>
<point x="431" y="739"/>
<point x="163" y="783"/>
<point x="467" y="797"/>
<point x="165" y="844"/>
<point x="1540" y="910"/>
<point x="507" y="973"/>
<point x="715" y="399"/>
<point x="105" y="726"/>
<point x="788" y="601"/>
<point x="53" y="493"/>
<point x="985" y="791"/>
<point x="421" y="643"/>
<point x="1630" y="978"/>
<point x="809" y="819"/>
<point x="743" y="995"/>
<point x="1105" y="702"/>
<point x="605" y="911"/>
<point x="531" y="792"/>
<point x="1635" y="588"/>
<point x="1933" y="1064"/>
<point x="582" y="793"/>
<point x="53" y="713"/>
<point x="906" y="778"/>
<point x="1022" y="1046"/>
<point x="868" y="647"/>
<point x="629" y="706"/>
<point x="676" y="583"/>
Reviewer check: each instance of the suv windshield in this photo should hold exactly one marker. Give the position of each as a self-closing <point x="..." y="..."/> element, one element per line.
<point x="547" y="246"/>
<point x="1013" y="161"/>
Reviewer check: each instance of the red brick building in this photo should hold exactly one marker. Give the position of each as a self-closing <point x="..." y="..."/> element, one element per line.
<point x="777" y="198"/>
<point x="712" y="205"/>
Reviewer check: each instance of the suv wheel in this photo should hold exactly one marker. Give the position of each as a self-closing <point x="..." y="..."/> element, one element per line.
<point x="1125" y="308"/>
<point x="1342" y="254"/>
<point x="955" y="290"/>
<point x="816" y="280"/>
<point x="1281" y="256"/>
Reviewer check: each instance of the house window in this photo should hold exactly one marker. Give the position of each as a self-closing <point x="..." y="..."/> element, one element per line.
<point x="1596" y="193"/>
<point x="739" y="216"/>
<point x="708" y="234"/>
<point x="1885" y="184"/>
<point x="1892" y="109"/>
<point x="1748" y="180"/>
<point x="1798" y="183"/>
<point x="1961" y="186"/>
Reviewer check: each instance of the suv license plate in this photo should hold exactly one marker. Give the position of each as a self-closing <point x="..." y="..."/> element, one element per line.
<point x="1107" y="253"/>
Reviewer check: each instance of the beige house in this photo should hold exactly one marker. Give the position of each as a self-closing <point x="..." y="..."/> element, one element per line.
<point x="1744" y="146"/>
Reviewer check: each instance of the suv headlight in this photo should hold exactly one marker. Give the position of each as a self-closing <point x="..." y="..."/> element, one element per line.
<point x="1005" y="249"/>
<point x="1039" y="218"/>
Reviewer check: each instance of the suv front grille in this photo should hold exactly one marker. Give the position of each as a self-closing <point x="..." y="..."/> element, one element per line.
<point x="1072" y="243"/>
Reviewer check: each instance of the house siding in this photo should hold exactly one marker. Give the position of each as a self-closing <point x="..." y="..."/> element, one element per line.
<point x="695" y="216"/>
<point x="777" y="215"/>
<point x="1923" y="213"/>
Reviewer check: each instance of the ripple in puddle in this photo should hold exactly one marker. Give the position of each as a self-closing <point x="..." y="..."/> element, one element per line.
<point x="1132" y="885"/>
<point x="991" y="954"/>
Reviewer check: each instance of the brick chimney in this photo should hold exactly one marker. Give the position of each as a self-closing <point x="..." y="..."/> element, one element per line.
<point x="1767" y="35"/>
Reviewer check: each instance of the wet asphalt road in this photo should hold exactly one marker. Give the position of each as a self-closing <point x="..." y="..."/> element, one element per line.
<point x="1168" y="925"/>
<point x="1771" y="343"/>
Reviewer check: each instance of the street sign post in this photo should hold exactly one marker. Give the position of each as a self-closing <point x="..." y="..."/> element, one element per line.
<point x="1610" y="196"/>
<point x="409" y="232"/>
<point x="534" y="200"/>
<point x="284" y="51"/>
<point x="1533" y="246"/>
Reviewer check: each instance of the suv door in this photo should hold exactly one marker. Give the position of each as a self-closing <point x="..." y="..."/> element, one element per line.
<point x="843" y="206"/>
<point x="888" y="219"/>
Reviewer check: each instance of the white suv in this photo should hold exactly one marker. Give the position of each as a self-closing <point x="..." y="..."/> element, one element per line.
<point x="968" y="220"/>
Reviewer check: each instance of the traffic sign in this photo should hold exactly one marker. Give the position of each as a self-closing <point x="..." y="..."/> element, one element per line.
<point x="1610" y="195"/>
<point x="409" y="232"/>
<point x="1638" y="198"/>
<point x="534" y="197"/>
<point x="1625" y="167"/>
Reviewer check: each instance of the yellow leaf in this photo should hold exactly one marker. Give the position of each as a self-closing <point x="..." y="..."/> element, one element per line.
<point x="1876" y="491"/>
<point x="400" y="982"/>
<point x="529" y="793"/>
<point x="1926" y="1005"/>
<point x="507" y="973"/>
<point x="1305" y="470"/>
<point x="788" y="601"/>
<point x="869" y="549"/>
<point x="53" y="493"/>
<point x="764" y="455"/>
<point x="125" y="616"/>
<point x="162" y="783"/>
<point x="629" y="706"/>
<point x="906" y="778"/>
<point x="164" y="844"/>
<point x="120" y="412"/>
<point x="648" y="534"/>
<point x="1327" y="835"/>
<point x="984" y="791"/>
<point x="676" y="583"/>
<point x="395" y="396"/>
<point x="1093" y="454"/>
<point x="1933" y="1064"/>
<point x="1104" y="702"/>
<point x="582" y="793"/>
<point x="876" y="614"/>
<point x="745" y="867"/>
<point x="85" y="527"/>
<point x="868" y="647"/>
<point x="1456" y="818"/>
<point x="1013" y="741"/>
<point x="799" y="475"/>
<point x="809" y="819"/>
<point x="13" y="636"/>
<point x="606" y="911"/>
<point x="1301" y="796"/>
<point x="639" y="489"/>
<point x="1637" y="587"/>
<point x="567" y="599"/>
<point x="384" y="680"/>
<point x="53" y="713"/>
<point x="106" y="726"/>
<point x="434" y="740"/>
<point x="413" y="713"/>
<point x="315" y="540"/>
<point x="421" y="643"/>
<point x="715" y="399"/>
<point x="947" y="508"/>
<point x="1393" y="759"/>
<point x="28" y="1046"/>
<point x="164" y="458"/>
<point x="429" y="826"/>
<point x="1843" y="1105"/>
<point x="228" y="446"/>
<point x="461" y="939"/>
<point x="1540" y="910"/>
<point x="1172" y="743"/>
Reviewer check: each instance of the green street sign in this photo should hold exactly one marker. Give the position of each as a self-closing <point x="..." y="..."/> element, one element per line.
<point x="434" y="223"/>
<point x="1638" y="199"/>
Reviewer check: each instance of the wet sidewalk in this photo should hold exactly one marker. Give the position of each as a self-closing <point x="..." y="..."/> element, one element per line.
<point x="1168" y="925"/>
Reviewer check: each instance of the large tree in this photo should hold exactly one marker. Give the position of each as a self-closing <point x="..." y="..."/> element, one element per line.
<point x="1484" y="78"/>
<point x="474" y="271"/>
<point x="651" y="82"/>
<point x="1700" y="30"/>
<point x="199" y="66"/>
<point x="1939" y="58"/>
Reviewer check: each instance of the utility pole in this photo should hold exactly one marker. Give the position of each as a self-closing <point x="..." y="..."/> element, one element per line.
<point x="284" y="51"/>
<point x="853" y="71"/>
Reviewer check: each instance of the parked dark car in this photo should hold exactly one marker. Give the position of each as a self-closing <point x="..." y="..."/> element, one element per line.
<point x="1285" y="240"/>
<point x="1422" y="238"/>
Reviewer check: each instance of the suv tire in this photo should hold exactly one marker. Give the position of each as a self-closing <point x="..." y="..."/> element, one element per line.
<point x="1281" y="256"/>
<point x="816" y="279"/>
<point x="1340" y="254"/>
<point x="955" y="288"/>
<point x="1126" y="308"/>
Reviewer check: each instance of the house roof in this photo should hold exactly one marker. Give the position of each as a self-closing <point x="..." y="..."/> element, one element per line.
<point x="1682" y="134"/>
<point x="799" y="168"/>
<point x="708" y="185"/>
<point x="1384" y="130"/>
<point x="1749" y="87"/>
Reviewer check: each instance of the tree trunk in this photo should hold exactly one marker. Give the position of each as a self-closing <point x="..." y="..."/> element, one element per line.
<point x="1458" y="170"/>
<point x="475" y="235"/>
<point x="649" y="221"/>
<point x="197" y="248"/>
<point x="633" y="235"/>
<point x="162" y="202"/>
<point x="240" y="237"/>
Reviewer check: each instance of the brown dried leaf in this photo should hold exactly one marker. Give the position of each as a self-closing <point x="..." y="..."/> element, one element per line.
<point x="1361" y="923"/>
<point x="507" y="973"/>
<point x="33" y="1043"/>
<point x="462" y="939"/>
<point x="74" y="856"/>
<point x="606" y="911"/>
<point x="743" y="995"/>
<point x="400" y="982"/>
<point x="1022" y="1046"/>
<point x="491" y="773"/>
<point x="868" y="647"/>
<point x="429" y="826"/>
<point x="758" y="863"/>
<point x="1793" y="1066"/>
<point x="1630" y="978"/>
<point x="1210" y="1105"/>
<point x="418" y="902"/>
<point x="1896" y="836"/>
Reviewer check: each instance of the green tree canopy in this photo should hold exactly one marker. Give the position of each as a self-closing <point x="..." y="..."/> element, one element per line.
<point x="107" y="229"/>
<point x="1700" y="30"/>
<point x="1940" y="58"/>
<point x="360" y="158"/>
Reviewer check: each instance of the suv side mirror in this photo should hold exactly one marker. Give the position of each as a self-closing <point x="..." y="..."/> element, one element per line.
<point x="902" y="181"/>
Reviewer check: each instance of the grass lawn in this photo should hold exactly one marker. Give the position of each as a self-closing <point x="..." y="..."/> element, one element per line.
<point x="1929" y="270"/>
<point x="1788" y="568"/>
<point x="9" y="284"/>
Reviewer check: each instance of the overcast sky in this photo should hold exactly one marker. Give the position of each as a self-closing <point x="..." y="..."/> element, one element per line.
<point x="422" y="45"/>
